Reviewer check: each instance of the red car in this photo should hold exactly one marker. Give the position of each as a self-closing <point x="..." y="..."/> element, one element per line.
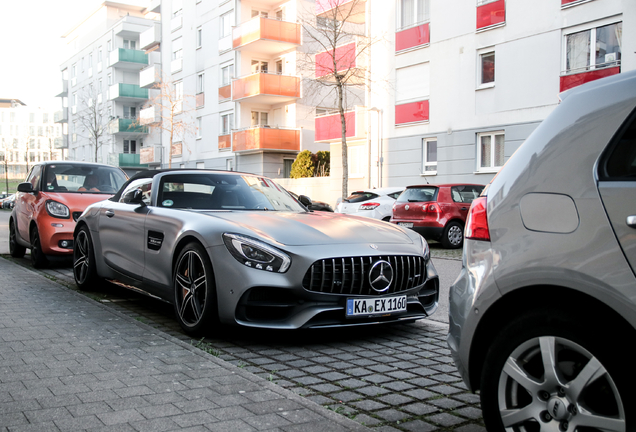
<point x="436" y="212"/>
<point x="47" y="205"/>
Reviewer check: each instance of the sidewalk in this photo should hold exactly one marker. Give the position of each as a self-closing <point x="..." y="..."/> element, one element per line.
<point x="67" y="363"/>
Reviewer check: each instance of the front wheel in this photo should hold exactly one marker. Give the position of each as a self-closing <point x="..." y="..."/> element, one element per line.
<point x="84" y="268"/>
<point x="548" y="371"/>
<point x="195" y="301"/>
<point x="38" y="259"/>
<point x="16" y="250"/>
<point x="453" y="236"/>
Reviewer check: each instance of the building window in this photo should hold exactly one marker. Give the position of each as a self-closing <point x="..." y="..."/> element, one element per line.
<point x="490" y="155"/>
<point x="177" y="8"/>
<point x="130" y="44"/>
<point x="594" y="48"/>
<point x="259" y="118"/>
<point x="178" y="95"/>
<point x="259" y="66"/>
<point x="227" y="21"/>
<point x="229" y="164"/>
<point x="110" y="79"/>
<point x="200" y="83"/>
<point x="109" y="45"/>
<point x="199" y="124"/>
<point x="487" y="68"/>
<point x="74" y="70"/>
<point x="429" y="155"/>
<point x="199" y="37"/>
<point x="287" y="167"/>
<point x="227" y="123"/>
<point x="130" y="146"/>
<point x="227" y="73"/>
<point x="177" y="48"/>
<point x="412" y="12"/>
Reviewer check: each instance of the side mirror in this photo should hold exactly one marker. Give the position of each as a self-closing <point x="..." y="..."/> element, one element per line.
<point x="134" y="196"/>
<point x="304" y="200"/>
<point x="25" y="187"/>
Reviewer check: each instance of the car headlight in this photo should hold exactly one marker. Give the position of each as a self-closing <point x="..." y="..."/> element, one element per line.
<point x="425" y="250"/>
<point x="256" y="254"/>
<point x="57" y="210"/>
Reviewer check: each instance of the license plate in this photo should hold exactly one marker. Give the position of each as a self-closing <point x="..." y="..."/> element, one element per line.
<point x="375" y="306"/>
<point x="406" y="224"/>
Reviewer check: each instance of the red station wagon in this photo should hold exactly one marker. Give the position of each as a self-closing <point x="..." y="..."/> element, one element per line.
<point x="436" y="212"/>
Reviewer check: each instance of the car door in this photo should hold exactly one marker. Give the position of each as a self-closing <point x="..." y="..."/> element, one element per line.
<point x="463" y="196"/>
<point x="26" y="202"/>
<point x="617" y="187"/>
<point x="121" y="232"/>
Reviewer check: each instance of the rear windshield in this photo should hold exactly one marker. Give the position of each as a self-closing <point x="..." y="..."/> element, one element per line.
<point x="357" y="197"/>
<point x="422" y="194"/>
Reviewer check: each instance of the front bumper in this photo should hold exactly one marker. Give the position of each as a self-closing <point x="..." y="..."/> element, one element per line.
<point x="56" y="235"/>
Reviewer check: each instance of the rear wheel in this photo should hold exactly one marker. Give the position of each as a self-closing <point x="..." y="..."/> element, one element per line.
<point x="38" y="259"/>
<point x="84" y="269"/>
<point x="16" y="250"/>
<point x="552" y="371"/>
<point x="453" y="236"/>
<point x="195" y="300"/>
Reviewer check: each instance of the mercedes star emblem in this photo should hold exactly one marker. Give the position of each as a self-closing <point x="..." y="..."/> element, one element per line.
<point x="381" y="276"/>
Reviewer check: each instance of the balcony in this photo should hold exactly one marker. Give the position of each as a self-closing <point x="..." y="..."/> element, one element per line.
<point x="128" y="59"/>
<point x="261" y="138"/>
<point x="63" y="90"/>
<point x="569" y="81"/>
<point x="412" y="37"/>
<point x="176" y="23"/>
<point x="348" y="61"/>
<point x="126" y="160"/>
<point x="328" y="127"/>
<point x="150" y="38"/>
<point x="60" y="142"/>
<point x="199" y="99"/>
<point x="61" y="116"/>
<point x="225" y="142"/>
<point x="150" y="115"/>
<point x="150" y="155"/>
<point x="491" y="14"/>
<point x="266" y="36"/>
<point x="349" y="10"/>
<point x="126" y="126"/>
<point x="150" y="77"/>
<point x="127" y="93"/>
<point x="225" y="44"/>
<point x="176" y="65"/>
<point x="225" y="93"/>
<point x="266" y="88"/>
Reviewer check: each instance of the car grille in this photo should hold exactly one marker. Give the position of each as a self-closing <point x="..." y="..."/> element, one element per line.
<point x="76" y="215"/>
<point x="350" y="275"/>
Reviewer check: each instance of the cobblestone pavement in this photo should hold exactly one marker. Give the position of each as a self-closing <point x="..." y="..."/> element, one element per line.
<point x="390" y="378"/>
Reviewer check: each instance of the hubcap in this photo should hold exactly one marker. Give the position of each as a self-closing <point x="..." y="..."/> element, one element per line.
<point x="555" y="382"/>
<point x="455" y="235"/>
<point x="190" y="285"/>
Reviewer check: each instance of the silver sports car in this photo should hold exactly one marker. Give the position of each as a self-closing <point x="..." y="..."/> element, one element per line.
<point x="236" y="248"/>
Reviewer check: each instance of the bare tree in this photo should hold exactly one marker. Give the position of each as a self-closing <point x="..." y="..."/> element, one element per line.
<point x="337" y="51"/>
<point x="93" y="118"/>
<point x="174" y="110"/>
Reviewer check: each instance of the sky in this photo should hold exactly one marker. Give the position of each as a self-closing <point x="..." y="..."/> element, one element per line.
<point x="31" y="47"/>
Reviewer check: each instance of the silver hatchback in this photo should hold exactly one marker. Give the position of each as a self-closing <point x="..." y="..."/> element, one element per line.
<point x="544" y="310"/>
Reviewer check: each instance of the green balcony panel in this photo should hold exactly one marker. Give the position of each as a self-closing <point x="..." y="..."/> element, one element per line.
<point x="130" y="160"/>
<point x="132" y="90"/>
<point x="133" y="56"/>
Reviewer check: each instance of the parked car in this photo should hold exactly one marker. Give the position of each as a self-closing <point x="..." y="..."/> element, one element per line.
<point x="50" y="201"/>
<point x="8" y="202"/>
<point x="314" y="205"/>
<point x="544" y="310"/>
<point x="373" y="203"/>
<point x="437" y="212"/>
<point x="237" y="249"/>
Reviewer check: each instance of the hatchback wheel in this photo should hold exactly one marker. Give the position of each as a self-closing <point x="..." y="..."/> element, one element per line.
<point x="16" y="250"/>
<point x="453" y="236"/>
<point x="194" y="290"/>
<point x="38" y="259"/>
<point x="84" y="269"/>
<point x="555" y="374"/>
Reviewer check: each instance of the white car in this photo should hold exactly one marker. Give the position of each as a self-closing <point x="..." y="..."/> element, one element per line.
<point x="373" y="203"/>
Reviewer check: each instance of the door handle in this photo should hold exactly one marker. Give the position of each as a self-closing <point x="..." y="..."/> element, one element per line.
<point x="109" y="213"/>
<point x="464" y="208"/>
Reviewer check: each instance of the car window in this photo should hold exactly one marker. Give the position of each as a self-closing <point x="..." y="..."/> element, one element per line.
<point x="423" y="194"/>
<point x="394" y="195"/>
<point x="357" y="197"/>
<point x="465" y="193"/>
<point x="35" y="176"/>
<point x="621" y="163"/>
<point x="145" y="184"/>
<point x="75" y="178"/>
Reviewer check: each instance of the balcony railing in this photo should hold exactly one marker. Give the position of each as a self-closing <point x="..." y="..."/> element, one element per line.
<point x="63" y="90"/>
<point x="349" y="10"/>
<point x="150" y="115"/>
<point x="225" y="92"/>
<point x="225" y="142"/>
<point x="61" y="116"/>
<point x="491" y="14"/>
<point x="122" y="125"/>
<point x="263" y="138"/>
<point x="150" y="76"/>
<point x="266" y="36"/>
<point x="125" y="92"/>
<point x="266" y="88"/>
<point x="128" y="59"/>
<point x="151" y="37"/>
<point x="200" y="99"/>
<point x="60" y="142"/>
<point x="347" y="59"/>
<point x="126" y="160"/>
<point x="329" y="128"/>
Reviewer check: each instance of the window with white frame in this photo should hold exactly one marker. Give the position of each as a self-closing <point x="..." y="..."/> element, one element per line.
<point x="73" y="70"/>
<point x="229" y="164"/>
<point x="227" y="73"/>
<point x="226" y="23"/>
<point x="199" y="123"/>
<point x="411" y="13"/>
<point x="199" y="37"/>
<point x="200" y="83"/>
<point x="487" y="68"/>
<point x="259" y="66"/>
<point x="259" y="118"/>
<point x="177" y="8"/>
<point x="177" y="48"/>
<point x="227" y="123"/>
<point x="355" y="157"/>
<point x="429" y="155"/>
<point x="178" y="95"/>
<point x="110" y="79"/>
<point x="593" y="48"/>
<point x="130" y="44"/>
<point x="490" y="150"/>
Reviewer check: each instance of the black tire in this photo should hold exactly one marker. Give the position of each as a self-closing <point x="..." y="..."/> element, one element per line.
<point x="453" y="236"/>
<point x="587" y="384"/>
<point x="195" y="300"/>
<point x="84" y="268"/>
<point x="16" y="250"/>
<point x="38" y="259"/>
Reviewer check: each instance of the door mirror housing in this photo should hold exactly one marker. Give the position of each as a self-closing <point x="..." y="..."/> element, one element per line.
<point x="25" y="187"/>
<point x="135" y="197"/>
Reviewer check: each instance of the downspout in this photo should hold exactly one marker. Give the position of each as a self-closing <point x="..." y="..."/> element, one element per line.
<point x="368" y="89"/>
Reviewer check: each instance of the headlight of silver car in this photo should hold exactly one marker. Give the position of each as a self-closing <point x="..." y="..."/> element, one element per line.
<point x="256" y="254"/>
<point x="57" y="209"/>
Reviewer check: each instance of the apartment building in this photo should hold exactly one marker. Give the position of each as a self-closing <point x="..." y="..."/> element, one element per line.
<point x="29" y="135"/>
<point x="101" y="97"/>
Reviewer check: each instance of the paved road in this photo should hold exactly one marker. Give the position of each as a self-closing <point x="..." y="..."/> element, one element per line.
<point x="389" y="378"/>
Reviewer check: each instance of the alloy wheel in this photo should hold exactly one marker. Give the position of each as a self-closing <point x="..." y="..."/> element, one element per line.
<point x="81" y="258"/>
<point x="191" y="284"/>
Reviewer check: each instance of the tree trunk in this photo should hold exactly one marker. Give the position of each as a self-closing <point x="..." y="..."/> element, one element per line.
<point x="343" y="132"/>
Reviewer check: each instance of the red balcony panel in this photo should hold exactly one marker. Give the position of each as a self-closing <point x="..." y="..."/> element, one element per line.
<point x="349" y="10"/>
<point x="225" y="141"/>
<point x="564" y="2"/>
<point x="345" y="58"/>
<point x="329" y="127"/>
<point x="570" y="81"/>
<point x="412" y="37"/>
<point x="411" y="112"/>
<point x="225" y="92"/>
<point x="266" y="29"/>
<point x="200" y="99"/>
<point x="263" y="138"/>
<point x="266" y="84"/>
<point x="490" y="14"/>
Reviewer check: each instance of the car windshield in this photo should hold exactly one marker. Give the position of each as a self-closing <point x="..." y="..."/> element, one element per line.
<point x="82" y="178"/>
<point x="421" y="194"/>
<point x="222" y="191"/>
<point x="357" y="197"/>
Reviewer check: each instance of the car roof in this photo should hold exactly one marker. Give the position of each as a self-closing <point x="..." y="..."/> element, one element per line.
<point x="380" y="191"/>
<point x="444" y="185"/>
